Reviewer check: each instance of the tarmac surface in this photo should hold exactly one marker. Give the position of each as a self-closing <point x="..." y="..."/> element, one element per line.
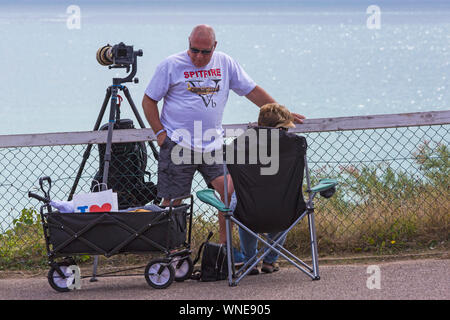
<point x="424" y="279"/>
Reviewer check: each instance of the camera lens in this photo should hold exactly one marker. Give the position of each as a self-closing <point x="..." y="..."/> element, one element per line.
<point x="104" y="55"/>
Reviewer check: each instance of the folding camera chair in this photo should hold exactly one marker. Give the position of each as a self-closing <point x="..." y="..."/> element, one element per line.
<point x="266" y="202"/>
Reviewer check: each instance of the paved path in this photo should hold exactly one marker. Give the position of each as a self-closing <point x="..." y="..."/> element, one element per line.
<point x="411" y="279"/>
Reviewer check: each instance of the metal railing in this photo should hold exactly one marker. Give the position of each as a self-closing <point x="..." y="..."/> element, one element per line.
<point x="393" y="173"/>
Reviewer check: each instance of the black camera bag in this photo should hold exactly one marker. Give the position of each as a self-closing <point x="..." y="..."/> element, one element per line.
<point x="127" y="170"/>
<point x="214" y="262"/>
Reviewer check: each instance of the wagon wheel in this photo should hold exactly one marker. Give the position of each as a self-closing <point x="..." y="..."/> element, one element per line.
<point x="59" y="283"/>
<point x="183" y="268"/>
<point x="159" y="273"/>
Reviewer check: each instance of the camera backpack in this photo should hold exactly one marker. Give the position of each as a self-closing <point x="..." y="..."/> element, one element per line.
<point x="214" y="261"/>
<point x="127" y="171"/>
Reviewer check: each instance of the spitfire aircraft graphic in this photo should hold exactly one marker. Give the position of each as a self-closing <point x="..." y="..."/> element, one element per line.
<point x="206" y="93"/>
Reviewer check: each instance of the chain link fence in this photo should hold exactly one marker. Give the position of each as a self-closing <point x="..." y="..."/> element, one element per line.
<point x="393" y="192"/>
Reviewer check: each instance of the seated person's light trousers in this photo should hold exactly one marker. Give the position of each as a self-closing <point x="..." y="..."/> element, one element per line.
<point x="249" y="243"/>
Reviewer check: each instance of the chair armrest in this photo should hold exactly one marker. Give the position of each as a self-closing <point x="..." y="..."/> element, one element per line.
<point x="324" y="184"/>
<point x="208" y="196"/>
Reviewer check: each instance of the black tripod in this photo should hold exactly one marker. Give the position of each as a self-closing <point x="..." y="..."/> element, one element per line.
<point x="114" y="115"/>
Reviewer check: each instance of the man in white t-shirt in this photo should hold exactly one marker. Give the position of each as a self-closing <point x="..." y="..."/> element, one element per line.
<point x="195" y="85"/>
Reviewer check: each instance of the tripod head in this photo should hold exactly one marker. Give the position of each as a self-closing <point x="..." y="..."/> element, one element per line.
<point x="130" y="77"/>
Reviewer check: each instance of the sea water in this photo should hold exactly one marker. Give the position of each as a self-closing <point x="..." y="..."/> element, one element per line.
<point x="318" y="58"/>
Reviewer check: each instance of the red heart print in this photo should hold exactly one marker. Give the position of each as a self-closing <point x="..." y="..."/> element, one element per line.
<point x="104" y="208"/>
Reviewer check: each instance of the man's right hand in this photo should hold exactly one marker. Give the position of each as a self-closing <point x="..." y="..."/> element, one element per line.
<point x="160" y="139"/>
<point x="151" y="112"/>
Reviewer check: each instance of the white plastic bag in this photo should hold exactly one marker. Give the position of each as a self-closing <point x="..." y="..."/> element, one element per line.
<point x="103" y="201"/>
<point x="62" y="206"/>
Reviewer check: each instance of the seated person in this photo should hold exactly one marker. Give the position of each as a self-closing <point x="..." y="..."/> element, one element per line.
<point x="276" y="116"/>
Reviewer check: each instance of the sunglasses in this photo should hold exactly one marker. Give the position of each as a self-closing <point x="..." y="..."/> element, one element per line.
<point x="195" y="50"/>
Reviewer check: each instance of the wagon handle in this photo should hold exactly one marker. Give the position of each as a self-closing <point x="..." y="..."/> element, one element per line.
<point x="41" y="183"/>
<point x="38" y="197"/>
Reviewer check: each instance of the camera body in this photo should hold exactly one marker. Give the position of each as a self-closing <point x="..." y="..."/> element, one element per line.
<point x="119" y="55"/>
<point x="122" y="54"/>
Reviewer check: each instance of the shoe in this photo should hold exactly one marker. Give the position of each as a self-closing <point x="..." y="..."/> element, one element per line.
<point x="270" y="267"/>
<point x="238" y="256"/>
<point x="254" y="271"/>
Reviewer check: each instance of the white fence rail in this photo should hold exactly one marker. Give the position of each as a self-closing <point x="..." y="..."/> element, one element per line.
<point x="310" y="125"/>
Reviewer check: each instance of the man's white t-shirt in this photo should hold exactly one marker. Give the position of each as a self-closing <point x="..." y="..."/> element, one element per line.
<point x="195" y="98"/>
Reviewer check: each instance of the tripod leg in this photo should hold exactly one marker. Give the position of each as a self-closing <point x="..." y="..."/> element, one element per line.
<point x="107" y="158"/>
<point x="94" y="270"/>
<point x="89" y="147"/>
<point x="139" y="119"/>
<point x="109" y="138"/>
<point x="83" y="163"/>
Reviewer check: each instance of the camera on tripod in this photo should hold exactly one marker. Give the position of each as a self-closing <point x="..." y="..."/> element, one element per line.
<point x="120" y="56"/>
<point x="117" y="56"/>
